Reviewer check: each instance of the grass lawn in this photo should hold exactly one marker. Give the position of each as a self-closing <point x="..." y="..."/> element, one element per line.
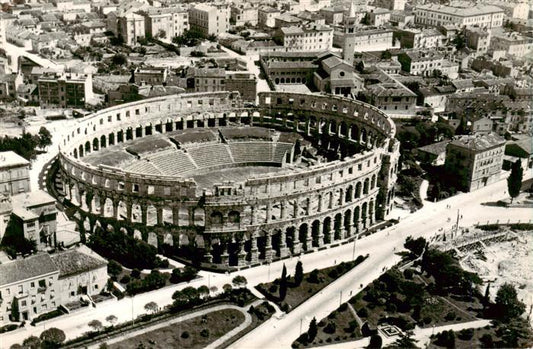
<point x="312" y="283"/>
<point x="493" y="336"/>
<point x="187" y="334"/>
<point x="344" y="329"/>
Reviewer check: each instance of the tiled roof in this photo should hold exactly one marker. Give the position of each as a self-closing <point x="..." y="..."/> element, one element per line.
<point x="23" y="269"/>
<point x="478" y="142"/>
<point x="74" y="262"/>
<point x="435" y="148"/>
<point x="10" y="158"/>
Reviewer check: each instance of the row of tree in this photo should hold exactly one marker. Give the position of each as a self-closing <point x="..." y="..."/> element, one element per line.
<point x="27" y="144"/>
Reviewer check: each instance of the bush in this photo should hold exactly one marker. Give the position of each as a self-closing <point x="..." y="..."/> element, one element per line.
<point x="408" y="273"/>
<point x="185" y="334"/>
<point x="273" y="288"/>
<point x="352" y="325"/>
<point x="466" y="334"/>
<point x="450" y="316"/>
<point x="427" y="320"/>
<point x="363" y="312"/>
<point x="135" y="273"/>
<point x="7" y="328"/>
<point x="204" y="333"/>
<point x="343" y="307"/>
<point x="125" y="279"/>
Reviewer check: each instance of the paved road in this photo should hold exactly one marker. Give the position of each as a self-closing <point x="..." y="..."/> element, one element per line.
<point x="280" y="333"/>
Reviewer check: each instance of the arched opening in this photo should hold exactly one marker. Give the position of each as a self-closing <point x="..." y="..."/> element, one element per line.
<point x="327" y="230"/>
<point x="349" y="193"/>
<point x="373" y="182"/>
<point x="199" y="217"/>
<point x="338" y="226"/>
<point x="87" y="147"/>
<point x="96" y="144"/>
<point x="103" y="142"/>
<point x="348" y="221"/>
<point x="358" y="190"/>
<point x="365" y="186"/>
<point x="302" y="235"/>
<point x="234" y="217"/>
<point x="216" y="218"/>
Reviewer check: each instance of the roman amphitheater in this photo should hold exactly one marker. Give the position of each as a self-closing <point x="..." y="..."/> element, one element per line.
<point x="235" y="184"/>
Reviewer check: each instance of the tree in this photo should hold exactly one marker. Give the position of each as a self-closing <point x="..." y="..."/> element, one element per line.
<point x="14" y="241"/>
<point x="514" y="181"/>
<point x="486" y="298"/>
<point x="283" y="283"/>
<point x="32" y="342"/>
<point x="15" y="312"/>
<point x="52" y="337"/>
<point x="386" y="54"/>
<point x="114" y="268"/>
<point x="96" y="325"/>
<point x="203" y="291"/>
<point x="119" y="59"/>
<point x="375" y="342"/>
<point x="161" y="34"/>
<point x="227" y="288"/>
<point x="405" y="341"/>
<point x="366" y="19"/>
<point x="415" y="246"/>
<point x="360" y="66"/>
<point x="462" y="128"/>
<point x="446" y="339"/>
<point x="45" y="137"/>
<point x="313" y="329"/>
<point x="507" y="305"/>
<point x="112" y="319"/>
<point x="151" y="307"/>
<point x="239" y="281"/>
<point x="459" y="41"/>
<point x="298" y="273"/>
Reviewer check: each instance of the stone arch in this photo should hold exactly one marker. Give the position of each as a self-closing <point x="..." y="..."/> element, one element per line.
<point x="199" y="216"/>
<point x="234" y="217"/>
<point x="356" y="215"/>
<point x="303" y="231"/>
<point x="87" y="147"/>
<point x="348" y="221"/>
<point x="373" y="182"/>
<point x="103" y="141"/>
<point x="315" y="232"/>
<point x="216" y="218"/>
<point x="111" y="139"/>
<point x="349" y="194"/>
<point x="75" y="153"/>
<point x="326" y="230"/>
<point x="151" y="215"/>
<point x="366" y="186"/>
<point x="343" y="129"/>
<point x="364" y="136"/>
<point x="354" y="132"/>
<point x="358" y="187"/>
<point x="337" y="226"/>
<point x="332" y="127"/>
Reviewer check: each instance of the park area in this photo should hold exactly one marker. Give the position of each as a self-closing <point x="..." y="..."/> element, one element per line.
<point x="289" y="292"/>
<point x="197" y="332"/>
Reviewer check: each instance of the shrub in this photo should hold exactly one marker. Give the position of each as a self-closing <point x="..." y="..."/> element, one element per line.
<point x="204" y="333"/>
<point x="450" y="316"/>
<point x="273" y="288"/>
<point x="466" y="334"/>
<point x="333" y="273"/>
<point x="363" y="312"/>
<point x="352" y="325"/>
<point x="427" y="320"/>
<point x="408" y="273"/>
<point x="135" y="273"/>
<point x="343" y="307"/>
<point x="332" y="315"/>
<point x="125" y="279"/>
<point x="185" y="334"/>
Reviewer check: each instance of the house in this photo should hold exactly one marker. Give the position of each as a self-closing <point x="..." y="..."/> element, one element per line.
<point x="475" y="160"/>
<point x="309" y="38"/>
<point x="337" y="77"/>
<point x="433" y="154"/>
<point x="14" y="173"/>
<point x="9" y="83"/>
<point x="483" y="125"/>
<point x="522" y="149"/>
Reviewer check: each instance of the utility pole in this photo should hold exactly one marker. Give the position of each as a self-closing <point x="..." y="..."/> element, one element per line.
<point x="457" y="223"/>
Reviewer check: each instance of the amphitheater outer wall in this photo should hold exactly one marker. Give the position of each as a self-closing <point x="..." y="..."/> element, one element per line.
<point x="260" y="218"/>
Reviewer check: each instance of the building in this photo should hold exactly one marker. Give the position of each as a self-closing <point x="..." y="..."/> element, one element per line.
<point x="9" y="83"/>
<point x="33" y="282"/>
<point x="393" y="5"/>
<point x="390" y="95"/>
<point x="286" y="20"/>
<point x="483" y="16"/>
<point x="165" y="23"/>
<point x="423" y="63"/>
<point x="81" y="272"/>
<point x="42" y="282"/>
<point x="243" y="82"/>
<point x="14" y="173"/>
<point x="482" y="125"/>
<point x="131" y="28"/>
<point x="36" y="212"/>
<point x="217" y="79"/>
<point x="150" y="76"/>
<point x="244" y="14"/>
<point x="310" y="38"/>
<point x="210" y="20"/>
<point x="267" y="16"/>
<point x="477" y="39"/>
<point x="365" y="40"/>
<point x="65" y="90"/>
<point x="514" y="10"/>
<point x="418" y="39"/>
<point x="333" y="15"/>
<point x="475" y="161"/>
<point x="289" y="67"/>
<point x="433" y="154"/>
<point x="522" y="149"/>
<point x="379" y="17"/>
<point x="337" y="77"/>
<point x="513" y="44"/>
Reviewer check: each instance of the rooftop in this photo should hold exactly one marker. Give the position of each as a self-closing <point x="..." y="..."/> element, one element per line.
<point x="478" y="142"/>
<point x="32" y="198"/>
<point x="435" y="148"/>
<point x="80" y="260"/>
<point x="11" y="159"/>
<point x="461" y="12"/>
<point x="27" y="268"/>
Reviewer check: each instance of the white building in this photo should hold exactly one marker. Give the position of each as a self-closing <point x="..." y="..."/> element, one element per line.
<point x="513" y="44"/>
<point x="131" y="27"/>
<point x="310" y="38"/>
<point x="210" y="20"/>
<point x="165" y="23"/>
<point x="484" y="16"/>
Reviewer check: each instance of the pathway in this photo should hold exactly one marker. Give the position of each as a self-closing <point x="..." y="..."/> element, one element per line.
<point x="142" y="330"/>
<point x="354" y="313"/>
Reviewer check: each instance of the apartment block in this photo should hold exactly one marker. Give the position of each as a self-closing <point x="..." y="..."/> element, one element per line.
<point x="66" y="90"/>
